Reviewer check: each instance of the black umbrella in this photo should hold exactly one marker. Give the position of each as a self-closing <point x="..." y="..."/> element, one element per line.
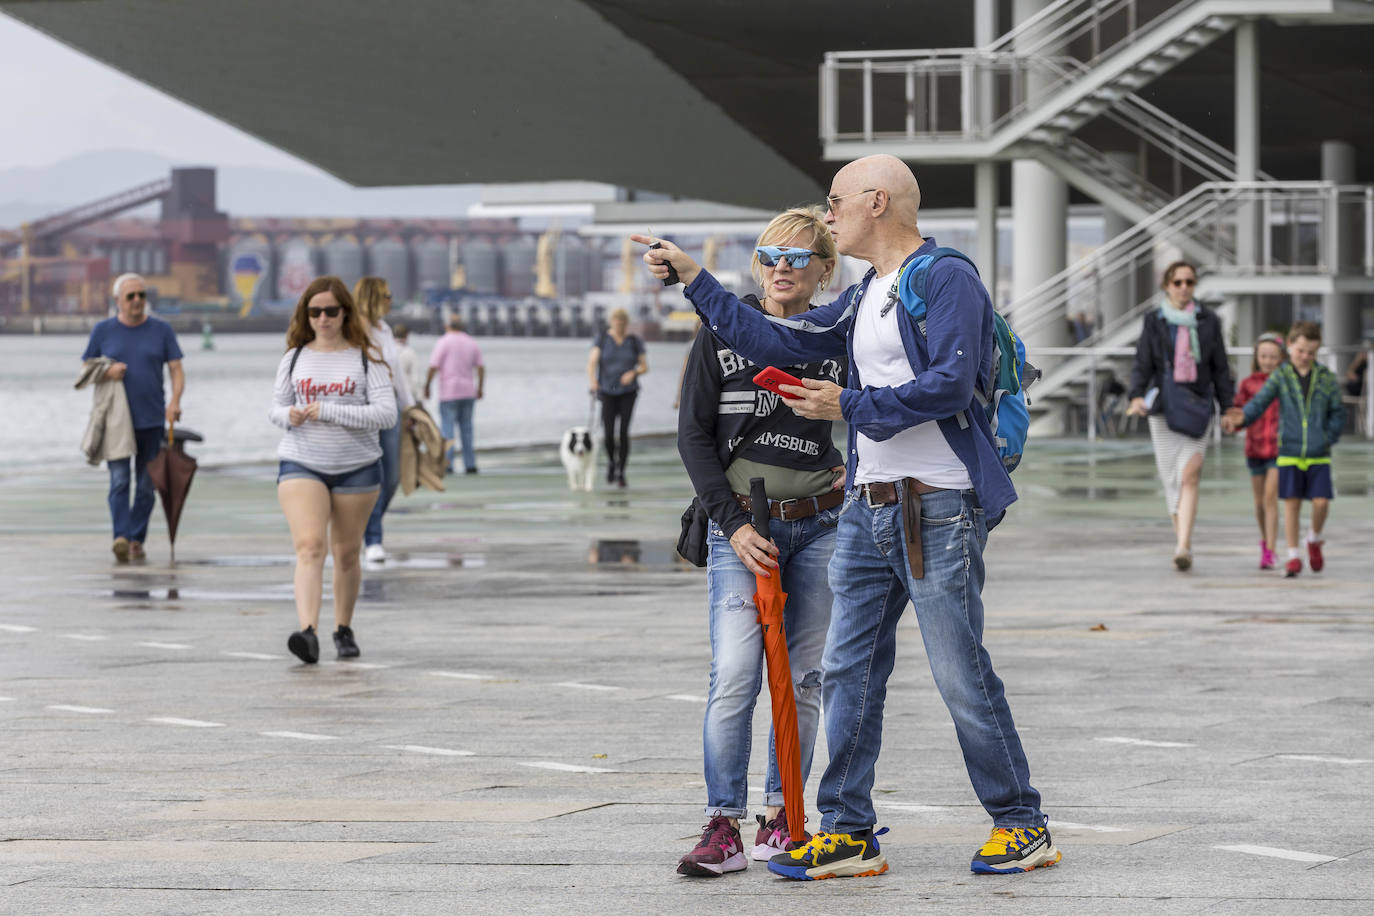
<point x="171" y="471"/>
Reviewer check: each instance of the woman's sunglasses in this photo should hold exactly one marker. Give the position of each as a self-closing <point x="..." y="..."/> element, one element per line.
<point x="1183" y="282"/>
<point x="331" y="311"/>
<point x="769" y="255"/>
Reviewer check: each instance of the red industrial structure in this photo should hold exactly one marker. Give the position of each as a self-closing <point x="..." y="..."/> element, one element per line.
<point x="59" y="265"/>
<point x="196" y="257"/>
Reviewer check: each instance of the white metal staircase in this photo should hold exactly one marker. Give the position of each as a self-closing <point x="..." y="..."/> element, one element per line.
<point x="1026" y="94"/>
<point x="1077" y="61"/>
<point x="1300" y="246"/>
<point x="1049" y="76"/>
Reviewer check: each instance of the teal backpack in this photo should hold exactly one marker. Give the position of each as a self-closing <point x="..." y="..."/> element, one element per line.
<point x="1006" y="404"/>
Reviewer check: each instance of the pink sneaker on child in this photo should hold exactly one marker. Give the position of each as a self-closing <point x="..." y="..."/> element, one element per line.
<point x="1267" y="558"/>
<point x="1314" y="555"/>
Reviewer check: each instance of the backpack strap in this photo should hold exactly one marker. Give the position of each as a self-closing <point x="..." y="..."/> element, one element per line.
<point x="291" y="370"/>
<point x="918" y="283"/>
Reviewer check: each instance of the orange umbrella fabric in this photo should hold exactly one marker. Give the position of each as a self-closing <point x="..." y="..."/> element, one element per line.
<point x="771" y="600"/>
<point x="171" y="471"/>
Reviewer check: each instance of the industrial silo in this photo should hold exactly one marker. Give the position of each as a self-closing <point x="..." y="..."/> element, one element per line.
<point x="596" y="267"/>
<point x="248" y="269"/>
<point x="298" y="262"/>
<point x="571" y="272"/>
<point x="343" y="258"/>
<point x="517" y="260"/>
<point x="389" y="258"/>
<point x="431" y="257"/>
<point x="482" y="267"/>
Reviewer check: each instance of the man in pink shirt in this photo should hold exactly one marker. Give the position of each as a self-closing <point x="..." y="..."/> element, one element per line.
<point x="457" y="361"/>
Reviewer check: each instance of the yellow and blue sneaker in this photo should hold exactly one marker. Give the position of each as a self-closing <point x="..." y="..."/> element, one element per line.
<point x="1011" y="850"/>
<point x="833" y="855"/>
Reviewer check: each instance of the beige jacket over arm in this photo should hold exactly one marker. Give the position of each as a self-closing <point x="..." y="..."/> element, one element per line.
<point x="424" y="452"/>
<point x="110" y="429"/>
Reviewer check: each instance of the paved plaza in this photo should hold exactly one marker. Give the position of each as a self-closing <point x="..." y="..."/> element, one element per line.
<point x="523" y="730"/>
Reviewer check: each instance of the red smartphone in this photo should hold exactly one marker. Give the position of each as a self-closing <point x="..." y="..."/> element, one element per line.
<point x="771" y="378"/>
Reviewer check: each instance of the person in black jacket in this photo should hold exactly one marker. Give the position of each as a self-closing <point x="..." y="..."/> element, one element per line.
<point x="724" y="413"/>
<point x="1183" y="339"/>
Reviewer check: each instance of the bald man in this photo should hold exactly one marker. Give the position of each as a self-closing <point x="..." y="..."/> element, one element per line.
<point x="919" y="447"/>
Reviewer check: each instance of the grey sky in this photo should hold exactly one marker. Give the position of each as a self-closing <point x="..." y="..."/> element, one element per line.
<point x="59" y="103"/>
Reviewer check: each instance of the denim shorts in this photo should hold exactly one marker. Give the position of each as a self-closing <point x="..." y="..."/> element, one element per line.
<point x="366" y="479"/>
<point x="1260" y="466"/>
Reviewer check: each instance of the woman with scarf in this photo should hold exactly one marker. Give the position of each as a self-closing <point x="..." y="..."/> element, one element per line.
<point x="1181" y="349"/>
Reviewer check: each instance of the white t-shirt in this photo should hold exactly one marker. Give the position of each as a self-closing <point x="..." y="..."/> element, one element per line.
<point x="920" y="451"/>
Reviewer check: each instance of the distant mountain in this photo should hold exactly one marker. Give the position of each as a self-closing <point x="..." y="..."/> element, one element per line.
<point x="31" y="193"/>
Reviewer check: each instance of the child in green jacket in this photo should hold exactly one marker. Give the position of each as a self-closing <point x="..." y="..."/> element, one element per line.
<point x="1311" y="418"/>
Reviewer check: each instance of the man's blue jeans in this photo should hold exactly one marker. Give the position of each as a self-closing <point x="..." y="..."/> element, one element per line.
<point x="872" y="584"/>
<point x="391" y="478"/>
<point x="737" y="656"/>
<point x="133" y="523"/>
<point x="459" y="411"/>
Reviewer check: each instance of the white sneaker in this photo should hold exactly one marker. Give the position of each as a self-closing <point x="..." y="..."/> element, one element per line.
<point x="375" y="553"/>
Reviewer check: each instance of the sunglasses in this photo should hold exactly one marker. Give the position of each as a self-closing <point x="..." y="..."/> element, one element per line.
<point x="330" y="311"/>
<point x="833" y="199"/>
<point x="769" y="255"/>
<point x="130" y="297"/>
<point x="1183" y="283"/>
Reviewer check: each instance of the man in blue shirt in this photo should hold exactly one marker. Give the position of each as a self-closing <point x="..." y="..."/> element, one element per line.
<point x="925" y="481"/>
<point x="140" y="345"/>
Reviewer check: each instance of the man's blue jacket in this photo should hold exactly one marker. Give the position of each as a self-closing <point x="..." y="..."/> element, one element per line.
<point x="954" y="354"/>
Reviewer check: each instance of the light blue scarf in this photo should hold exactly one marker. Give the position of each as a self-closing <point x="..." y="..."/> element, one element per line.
<point x="1185" y="370"/>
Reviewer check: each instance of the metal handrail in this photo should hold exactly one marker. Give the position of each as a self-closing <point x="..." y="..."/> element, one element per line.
<point x="1088" y="369"/>
<point x="1215" y="208"/>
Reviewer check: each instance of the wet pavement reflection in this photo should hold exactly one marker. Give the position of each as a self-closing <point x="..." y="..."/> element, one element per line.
<point x="634" y="553"/>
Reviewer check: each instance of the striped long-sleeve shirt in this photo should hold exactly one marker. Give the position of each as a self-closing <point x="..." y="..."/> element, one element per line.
<point x="353" y="408"/>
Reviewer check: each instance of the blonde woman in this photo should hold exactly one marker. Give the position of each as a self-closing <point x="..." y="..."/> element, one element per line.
<point x="729" y="430"/>
<point x="617" y="361"/>
<point x="333" y="394"/>
<point x="373" y="296"/>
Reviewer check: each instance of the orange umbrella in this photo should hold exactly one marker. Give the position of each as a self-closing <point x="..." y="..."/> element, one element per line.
<point x="770" y="600"/>
<point x="171" y="471"/>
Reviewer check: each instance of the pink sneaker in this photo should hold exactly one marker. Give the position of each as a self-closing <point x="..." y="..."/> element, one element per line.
<point x="1314" y="555"/>
<point x="772" y="838"/>
<point x="1267" y="558"/>
<point x="719" y="850"/>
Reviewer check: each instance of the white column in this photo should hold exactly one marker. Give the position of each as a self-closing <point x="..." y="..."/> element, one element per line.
<point x="1247" y="127"/>
<point x="985" y="206"/>
<point x="1040" y="201"/>
<point x="1121" y="293"/>
<point x="985" y="173"/>
<point x="1341" y="324"/>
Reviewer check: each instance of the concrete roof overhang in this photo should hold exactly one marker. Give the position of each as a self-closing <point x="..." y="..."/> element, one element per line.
<point x="708" y="99"/>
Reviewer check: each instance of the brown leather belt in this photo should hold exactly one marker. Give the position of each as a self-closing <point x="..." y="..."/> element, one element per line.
<point x="790" y="510"/>
<point x="886" y="494"/>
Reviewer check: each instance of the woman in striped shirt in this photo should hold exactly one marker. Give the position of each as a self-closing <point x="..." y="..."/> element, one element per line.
<point x="333" y="395"/>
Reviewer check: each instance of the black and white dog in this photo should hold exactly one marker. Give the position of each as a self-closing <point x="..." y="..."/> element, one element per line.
<point x="578" y="453"/>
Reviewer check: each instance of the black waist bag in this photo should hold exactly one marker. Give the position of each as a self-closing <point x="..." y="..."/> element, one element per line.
<point x="691" y="543"/>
